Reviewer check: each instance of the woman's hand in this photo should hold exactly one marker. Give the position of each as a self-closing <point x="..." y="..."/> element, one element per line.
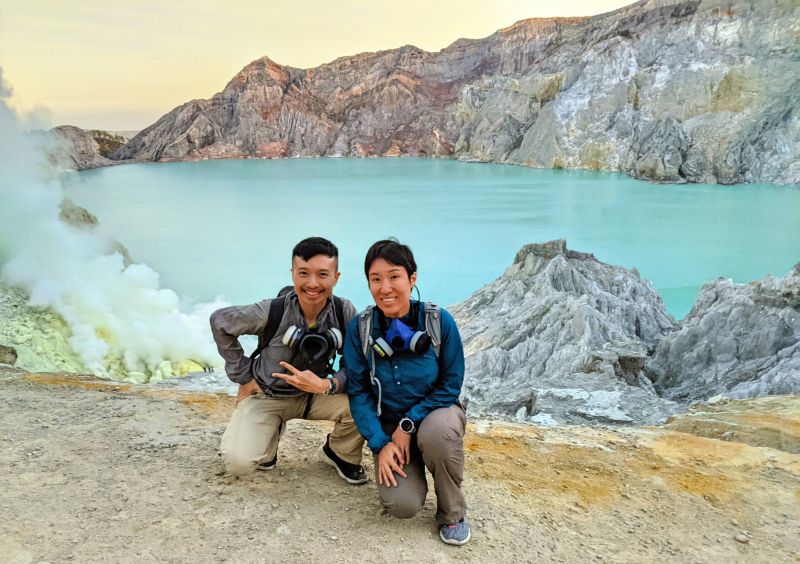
<point x="251" y="388"/>
<point x="403" y="442"/>
<point x="389" y="461"/>
<point x="303" y="380"/>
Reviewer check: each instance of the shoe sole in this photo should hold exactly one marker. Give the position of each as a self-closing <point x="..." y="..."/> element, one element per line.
<point x="262" y="468"/>
<point x="456" y="542"/>
<point x="326" y="459"/>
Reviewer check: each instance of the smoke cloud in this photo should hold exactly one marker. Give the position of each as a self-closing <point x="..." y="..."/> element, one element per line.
<point x="123" y="323"/>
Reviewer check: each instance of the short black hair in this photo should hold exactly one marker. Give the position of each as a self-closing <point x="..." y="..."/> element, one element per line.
<point x="313" y="246"/>
<point x="393" y="252"/>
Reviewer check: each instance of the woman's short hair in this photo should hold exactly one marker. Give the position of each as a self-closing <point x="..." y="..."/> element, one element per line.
<point x="393" y="252"/>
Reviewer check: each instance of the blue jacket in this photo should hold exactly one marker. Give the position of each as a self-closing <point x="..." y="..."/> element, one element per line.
<point x="412" y="385"/>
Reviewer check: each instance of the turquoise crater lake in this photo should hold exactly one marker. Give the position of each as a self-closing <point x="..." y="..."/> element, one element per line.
<point x="227" y="227"/>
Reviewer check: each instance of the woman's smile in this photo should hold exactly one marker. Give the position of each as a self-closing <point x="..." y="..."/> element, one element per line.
<point x="390" y="286"/>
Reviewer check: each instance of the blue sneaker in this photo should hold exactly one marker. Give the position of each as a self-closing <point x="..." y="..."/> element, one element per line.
<point x="457" y="533"/>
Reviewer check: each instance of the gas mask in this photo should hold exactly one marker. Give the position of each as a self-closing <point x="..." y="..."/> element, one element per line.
<point x="314" y="350"/>
<point x="399" y="337"/>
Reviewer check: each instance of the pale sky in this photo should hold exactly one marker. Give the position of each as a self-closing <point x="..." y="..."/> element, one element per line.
<point x="122" y="64"/>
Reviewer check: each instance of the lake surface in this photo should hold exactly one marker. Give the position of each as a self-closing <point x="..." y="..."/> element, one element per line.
<point x="227" y="227"/>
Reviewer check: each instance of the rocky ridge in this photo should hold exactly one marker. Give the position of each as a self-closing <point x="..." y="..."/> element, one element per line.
<point x="665" y="90"/>
<point x="739" y="340"/>
<point x="563" y="337"/>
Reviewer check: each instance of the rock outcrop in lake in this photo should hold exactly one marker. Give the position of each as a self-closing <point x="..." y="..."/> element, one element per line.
<point x="666" y="90"/>
<point x="564" y="338"/>
<point x="739" y="340"/>
<point x="80" y="218"/>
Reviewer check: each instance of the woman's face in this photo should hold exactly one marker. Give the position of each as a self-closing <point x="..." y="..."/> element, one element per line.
<point x="390" y="287"/>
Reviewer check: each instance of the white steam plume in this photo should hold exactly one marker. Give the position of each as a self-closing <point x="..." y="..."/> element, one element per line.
<point x="121" y="321"/>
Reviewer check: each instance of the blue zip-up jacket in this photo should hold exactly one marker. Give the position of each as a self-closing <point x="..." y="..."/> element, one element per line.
<point x="412" y="385"/>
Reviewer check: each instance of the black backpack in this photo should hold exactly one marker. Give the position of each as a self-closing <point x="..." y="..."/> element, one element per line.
<point x="276" y="308"/>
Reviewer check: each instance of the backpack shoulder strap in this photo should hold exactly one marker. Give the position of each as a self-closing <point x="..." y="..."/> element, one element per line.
<point x="338" y="311"/>
<point x="276" y="309"/>
<point x="433" y="326"/>
<point x="365" y="329"/>
<point x="365" y="332"/>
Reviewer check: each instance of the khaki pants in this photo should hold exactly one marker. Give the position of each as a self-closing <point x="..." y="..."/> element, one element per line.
<point x="438" y="445"/>
<point x="258" y="421"/>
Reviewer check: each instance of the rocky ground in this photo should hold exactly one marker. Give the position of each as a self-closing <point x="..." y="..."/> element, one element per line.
<point x="97" y="471"/>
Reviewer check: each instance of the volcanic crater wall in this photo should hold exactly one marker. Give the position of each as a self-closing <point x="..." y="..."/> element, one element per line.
<point x="672" y="91"/>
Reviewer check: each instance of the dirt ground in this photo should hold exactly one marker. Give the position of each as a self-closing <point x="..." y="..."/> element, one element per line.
<point x="98" y="472"/>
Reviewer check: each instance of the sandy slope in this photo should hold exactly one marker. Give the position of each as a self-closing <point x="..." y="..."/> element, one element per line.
<point x="100" y="472"/>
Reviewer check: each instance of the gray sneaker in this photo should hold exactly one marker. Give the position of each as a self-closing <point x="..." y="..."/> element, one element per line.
<point x="457" y="533"/>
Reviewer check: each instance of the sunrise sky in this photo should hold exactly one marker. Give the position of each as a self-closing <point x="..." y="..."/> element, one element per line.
<point x="120" y="65"/>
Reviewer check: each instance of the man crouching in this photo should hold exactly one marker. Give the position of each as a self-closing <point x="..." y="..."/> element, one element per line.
<point x="290" y="375"/>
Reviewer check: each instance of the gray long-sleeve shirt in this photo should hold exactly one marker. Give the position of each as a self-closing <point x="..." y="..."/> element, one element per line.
<point x="229" y="323"/>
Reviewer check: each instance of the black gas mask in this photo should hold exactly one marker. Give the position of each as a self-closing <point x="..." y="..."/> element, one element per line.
<point x="313" y="350"/>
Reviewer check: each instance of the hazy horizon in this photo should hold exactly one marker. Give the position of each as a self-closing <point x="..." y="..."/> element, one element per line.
<point x="110" y="65"/>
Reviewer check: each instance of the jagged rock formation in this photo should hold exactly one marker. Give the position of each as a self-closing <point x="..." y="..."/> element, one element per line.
<point x="76" y="149"/>
<point x="739" y="340"/>
<point x="667" y="90"/>
<point x="563" y="337"/>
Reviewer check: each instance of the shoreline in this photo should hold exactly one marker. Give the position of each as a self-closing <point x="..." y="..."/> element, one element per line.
<point x="462" y="159"/>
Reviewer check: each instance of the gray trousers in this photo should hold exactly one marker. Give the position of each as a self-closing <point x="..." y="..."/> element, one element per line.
<point x="438" y="445"/>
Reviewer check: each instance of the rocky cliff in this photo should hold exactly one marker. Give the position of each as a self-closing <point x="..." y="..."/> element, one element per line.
<point x="666" y="90"/>
<point x="564" y="338"/>
<point x="739" y="340"/>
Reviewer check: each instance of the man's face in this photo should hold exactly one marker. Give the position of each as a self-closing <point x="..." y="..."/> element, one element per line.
<point x="314" y="280"/>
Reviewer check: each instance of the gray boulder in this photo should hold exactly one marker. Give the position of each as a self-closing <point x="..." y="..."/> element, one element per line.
<point x="8" y="355"/>
<point x="739" y="341"/>
<point x="566" y="337"/>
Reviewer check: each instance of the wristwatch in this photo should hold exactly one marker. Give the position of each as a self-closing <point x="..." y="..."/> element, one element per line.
<point x="407" y="425"/>
<point x="331" y="387"/>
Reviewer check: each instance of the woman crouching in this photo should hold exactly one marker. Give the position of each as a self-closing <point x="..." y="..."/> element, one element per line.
<point x="405" y="366"/>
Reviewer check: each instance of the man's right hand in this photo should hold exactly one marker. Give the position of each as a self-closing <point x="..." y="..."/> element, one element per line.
<point x="249" y="389"/>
